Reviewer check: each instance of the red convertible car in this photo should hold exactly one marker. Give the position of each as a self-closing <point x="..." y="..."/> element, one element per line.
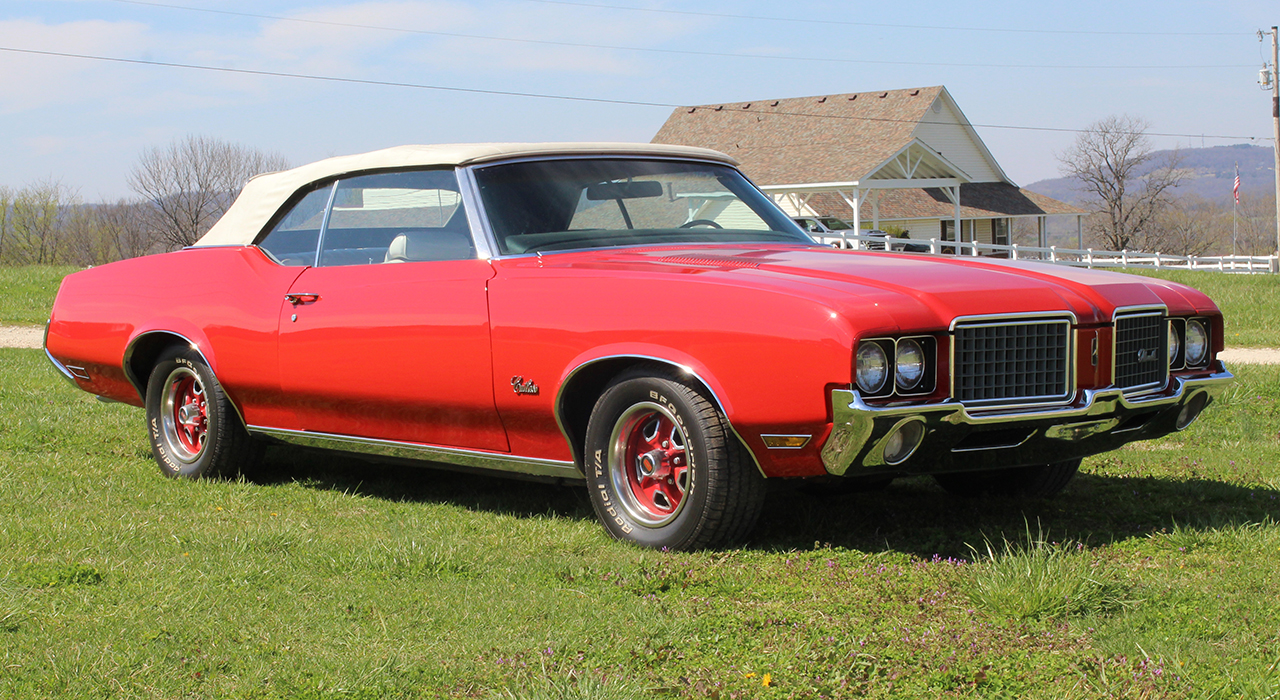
<point x="639" y="319"/>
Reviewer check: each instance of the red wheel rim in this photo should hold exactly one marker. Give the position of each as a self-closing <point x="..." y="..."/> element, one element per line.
<point x="185" y="415"/>
<point x="649" y="464"/>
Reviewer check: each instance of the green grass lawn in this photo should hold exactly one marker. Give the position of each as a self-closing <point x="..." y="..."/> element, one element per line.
<point x="1153" y="575"/>
<point x="26" y="293"/>
<point x="1250" y="303"/>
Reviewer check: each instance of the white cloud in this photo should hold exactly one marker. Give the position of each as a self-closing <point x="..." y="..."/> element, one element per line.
<point x="425" y="42"/>
<point x="35" y="81"/>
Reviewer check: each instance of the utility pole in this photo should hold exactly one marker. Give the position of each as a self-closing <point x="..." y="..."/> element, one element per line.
<point x="1273" y="77"/>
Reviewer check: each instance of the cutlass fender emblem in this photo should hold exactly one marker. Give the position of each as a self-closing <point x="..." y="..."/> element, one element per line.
<point x="522" y="387"/>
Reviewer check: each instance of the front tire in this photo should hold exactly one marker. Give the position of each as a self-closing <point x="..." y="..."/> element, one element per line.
<point x="194" y="430"/>
<point x="1037" y="481"/>
<point x="663" y="468"/>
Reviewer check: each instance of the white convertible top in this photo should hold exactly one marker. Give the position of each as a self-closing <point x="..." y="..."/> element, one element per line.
<point x="264" y="194"/>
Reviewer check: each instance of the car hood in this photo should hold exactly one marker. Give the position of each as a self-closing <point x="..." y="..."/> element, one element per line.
<point x="909" y="291"/>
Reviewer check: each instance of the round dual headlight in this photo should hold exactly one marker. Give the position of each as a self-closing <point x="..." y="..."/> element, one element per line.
<point x="910" y="365"/>
<point x="873" y="368"/>
<point x="1197" y="343"/>
<point x="1175" y="343"/>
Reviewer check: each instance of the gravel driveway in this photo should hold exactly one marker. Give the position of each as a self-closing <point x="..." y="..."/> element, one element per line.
<point x="21" y="336"/>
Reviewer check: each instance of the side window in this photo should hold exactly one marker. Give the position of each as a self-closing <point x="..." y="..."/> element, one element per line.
<point x="293" y="240"/>
<point x="397" y="217"/>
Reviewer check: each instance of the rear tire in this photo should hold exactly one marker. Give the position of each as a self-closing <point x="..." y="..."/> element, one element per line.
<point x="195" y="432"/>
<point x="1038" y="481"/>
<point x="663" y="468"/>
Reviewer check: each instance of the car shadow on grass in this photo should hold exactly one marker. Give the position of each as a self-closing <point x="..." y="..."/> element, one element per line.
<point x="912" y="516"/>
<point x="917" y="517"/>
<point x="427" y="483"/>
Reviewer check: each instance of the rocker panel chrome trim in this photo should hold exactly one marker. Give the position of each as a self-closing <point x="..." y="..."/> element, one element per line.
<point x="411" y="450"/>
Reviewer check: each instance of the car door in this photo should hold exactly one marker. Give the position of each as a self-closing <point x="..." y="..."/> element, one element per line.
<point x="386" y="336"/>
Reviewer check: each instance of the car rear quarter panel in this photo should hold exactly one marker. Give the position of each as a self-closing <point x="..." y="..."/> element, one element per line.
<point x="225" y="301"/>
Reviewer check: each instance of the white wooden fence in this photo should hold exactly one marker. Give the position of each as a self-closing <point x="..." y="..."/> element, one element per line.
<point x="1071" y="256"/>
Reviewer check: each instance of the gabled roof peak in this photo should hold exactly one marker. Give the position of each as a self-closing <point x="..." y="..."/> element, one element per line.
<point x="926" y="96"/>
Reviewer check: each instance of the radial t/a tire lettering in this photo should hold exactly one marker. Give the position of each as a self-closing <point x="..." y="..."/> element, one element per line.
<point x="664" y="469"/>
<point x="193" y="429"/>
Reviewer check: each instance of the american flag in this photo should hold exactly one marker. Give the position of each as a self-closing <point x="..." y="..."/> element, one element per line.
<point x="1235" y="189"/>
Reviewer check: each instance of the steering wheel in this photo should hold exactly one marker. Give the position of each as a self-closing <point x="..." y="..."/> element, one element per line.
<point x="700" y="222"/>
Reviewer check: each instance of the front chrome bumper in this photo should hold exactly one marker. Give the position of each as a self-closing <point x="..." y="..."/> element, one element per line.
<point x="958" y="439"/>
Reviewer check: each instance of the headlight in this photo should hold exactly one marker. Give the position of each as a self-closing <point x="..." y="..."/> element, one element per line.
<point x="1175" y="344"/>
<point x="910" y="365"/>
<point x="1197" y="343"/>
<point x="873" y="368"/>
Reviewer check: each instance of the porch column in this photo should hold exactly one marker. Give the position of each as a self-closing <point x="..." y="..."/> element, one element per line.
<point x="955" y="198"/>
<point x="856" y="202"/>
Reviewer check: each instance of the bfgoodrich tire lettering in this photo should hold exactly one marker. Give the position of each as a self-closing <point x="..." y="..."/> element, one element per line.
<point x="193" y="429"/>
<point x="663" y="468"/>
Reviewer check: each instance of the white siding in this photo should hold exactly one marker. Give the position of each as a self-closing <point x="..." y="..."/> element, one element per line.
<point x="942" y="131"/>
<point x="919" y="229"/>
<point x="739" y="216"/>
<point x="982" y="230"/>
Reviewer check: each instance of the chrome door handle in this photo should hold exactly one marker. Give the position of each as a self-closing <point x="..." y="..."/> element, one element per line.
<point x="301" y="298"/>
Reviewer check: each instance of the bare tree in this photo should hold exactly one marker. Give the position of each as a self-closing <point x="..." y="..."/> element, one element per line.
<point x="96" y="234"/>
<point x="191" y="182"/>
<point x="1257" y="222"/>
<point x="1109" y="159"/>
<point x="6" y="209"/>
<point x="1191" y="226"/>
<point x="39" y="214"/>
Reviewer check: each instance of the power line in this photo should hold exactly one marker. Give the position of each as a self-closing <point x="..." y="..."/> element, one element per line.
<point x="801" y="20"/>
<point x="331" y="78"/>
<point x="545" y="96"/>
<point x="645" y="49"/>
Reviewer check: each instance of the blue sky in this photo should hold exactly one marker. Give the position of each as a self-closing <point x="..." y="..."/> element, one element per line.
<point x="1189" y="68"/>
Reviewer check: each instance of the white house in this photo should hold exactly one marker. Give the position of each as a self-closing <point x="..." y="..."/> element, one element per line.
<point x="907" y="158"/>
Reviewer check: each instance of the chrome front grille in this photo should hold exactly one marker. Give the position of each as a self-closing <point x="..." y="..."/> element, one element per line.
<point x="1012" y="360"/>
<point x="1141" y="359"/>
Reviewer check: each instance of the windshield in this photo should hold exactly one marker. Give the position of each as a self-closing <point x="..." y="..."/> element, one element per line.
<point x="590" y="203"/>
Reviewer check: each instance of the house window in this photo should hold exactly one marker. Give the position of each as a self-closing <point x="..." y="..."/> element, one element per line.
<point x="1000" y="231"/>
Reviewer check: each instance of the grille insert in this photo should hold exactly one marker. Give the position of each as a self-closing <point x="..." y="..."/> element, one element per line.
<point x="1013" y="361"/>
<point x="1141" y="359"/>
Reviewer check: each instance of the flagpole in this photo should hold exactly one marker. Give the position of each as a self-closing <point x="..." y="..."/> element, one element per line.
<point x="1235" y="205"/>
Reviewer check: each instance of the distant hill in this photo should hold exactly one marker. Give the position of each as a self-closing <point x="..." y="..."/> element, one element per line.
<point x="1212" y="174"/>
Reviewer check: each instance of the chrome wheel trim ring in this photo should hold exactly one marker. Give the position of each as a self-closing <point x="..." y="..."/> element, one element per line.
<point x="621" y="463"/>
<point x="170" y="406"/>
